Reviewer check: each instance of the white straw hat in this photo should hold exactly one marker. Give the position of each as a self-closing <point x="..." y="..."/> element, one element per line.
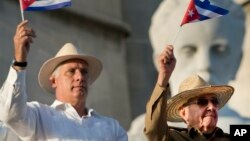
<point x="67" y="52"/>
<point x="195" y="86"/>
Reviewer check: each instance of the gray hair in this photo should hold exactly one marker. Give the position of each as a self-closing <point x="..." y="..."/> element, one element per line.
<point x="55" y="73"/>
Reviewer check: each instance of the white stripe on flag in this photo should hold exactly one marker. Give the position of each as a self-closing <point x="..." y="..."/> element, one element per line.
<point x="47" y="2"/>
<point x="206" y="12"/>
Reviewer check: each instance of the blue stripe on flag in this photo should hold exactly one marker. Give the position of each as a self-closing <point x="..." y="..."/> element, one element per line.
<point x="49" y="7"/>
<point x="206" y="5"/>
<point x="203" y="17"/>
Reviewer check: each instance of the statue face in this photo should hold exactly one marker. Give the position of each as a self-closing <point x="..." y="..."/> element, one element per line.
<point x="211" y="49"/>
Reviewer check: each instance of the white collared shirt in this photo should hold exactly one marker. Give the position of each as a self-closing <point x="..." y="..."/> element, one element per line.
<point x="33" y="121"/>
<point x="6" y="134"/>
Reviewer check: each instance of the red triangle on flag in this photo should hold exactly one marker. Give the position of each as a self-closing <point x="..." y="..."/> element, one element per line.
<point x="26" y="3"/>
<point x="191" y="14"/>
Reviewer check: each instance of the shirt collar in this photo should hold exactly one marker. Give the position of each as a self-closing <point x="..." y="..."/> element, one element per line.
<point x="195" y="132"/>
<point x="58" y="105"/>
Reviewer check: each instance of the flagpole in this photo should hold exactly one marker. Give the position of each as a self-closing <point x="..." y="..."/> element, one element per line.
<point x="21" y="8"/>
<point x="176" y="35"/>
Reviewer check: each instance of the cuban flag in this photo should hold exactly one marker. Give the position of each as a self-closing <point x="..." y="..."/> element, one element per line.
<point x="41" y="5"/>
<point x="199" y="10"/>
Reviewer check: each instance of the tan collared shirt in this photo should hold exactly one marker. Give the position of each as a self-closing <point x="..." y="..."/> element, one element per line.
<point x="156" y="128"/>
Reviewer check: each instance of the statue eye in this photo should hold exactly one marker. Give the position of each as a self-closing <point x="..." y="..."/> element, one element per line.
<point x="220" y="48"/>
<point x="189" y="50"/>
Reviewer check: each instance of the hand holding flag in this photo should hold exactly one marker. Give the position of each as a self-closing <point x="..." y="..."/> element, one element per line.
<point x="199" y="10"/>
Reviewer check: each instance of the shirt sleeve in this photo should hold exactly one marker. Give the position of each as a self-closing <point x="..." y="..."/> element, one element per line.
<point x="6" y="134"/>
<point x="121" y="133"/>
<point x="13" y="102"/>
<point x="156" y="120"/>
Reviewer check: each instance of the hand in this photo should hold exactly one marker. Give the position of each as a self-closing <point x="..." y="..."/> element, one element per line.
<point x="167" y="63"/>
<point x="22" y="40"/>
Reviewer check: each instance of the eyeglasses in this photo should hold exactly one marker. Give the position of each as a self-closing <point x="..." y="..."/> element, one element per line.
<point x="203" y="102"/>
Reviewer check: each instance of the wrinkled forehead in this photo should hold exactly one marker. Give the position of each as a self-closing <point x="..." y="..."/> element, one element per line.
<point x="72" y="62"/>
<point x="75" y="60"/>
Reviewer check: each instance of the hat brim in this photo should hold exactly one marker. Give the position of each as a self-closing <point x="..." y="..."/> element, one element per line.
<point x="222" y="92"/>
<point x="94" y="64"/>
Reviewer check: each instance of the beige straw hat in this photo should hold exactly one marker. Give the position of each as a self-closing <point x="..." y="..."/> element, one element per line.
<point x="195" y="86"/>
<point x="67" y="52"/>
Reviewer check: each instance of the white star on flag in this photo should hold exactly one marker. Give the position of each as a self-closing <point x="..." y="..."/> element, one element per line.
<point x="190" y="13"/>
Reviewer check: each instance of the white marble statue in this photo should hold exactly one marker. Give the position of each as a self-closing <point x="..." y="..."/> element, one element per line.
<point x="240" y="102"/>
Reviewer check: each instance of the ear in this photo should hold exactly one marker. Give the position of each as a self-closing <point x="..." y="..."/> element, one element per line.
<point x="182" y="112"/>
<point x="52" y="80"/>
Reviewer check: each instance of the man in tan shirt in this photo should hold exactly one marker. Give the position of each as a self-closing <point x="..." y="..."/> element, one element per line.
<point x="197" y="104"/>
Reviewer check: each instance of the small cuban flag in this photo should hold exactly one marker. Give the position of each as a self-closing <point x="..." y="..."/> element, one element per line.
<point x="199" y="10"/>
<point x="41" y="5"/>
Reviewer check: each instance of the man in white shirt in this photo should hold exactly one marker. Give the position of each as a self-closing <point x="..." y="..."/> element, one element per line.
<point x="68" y="76"/>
